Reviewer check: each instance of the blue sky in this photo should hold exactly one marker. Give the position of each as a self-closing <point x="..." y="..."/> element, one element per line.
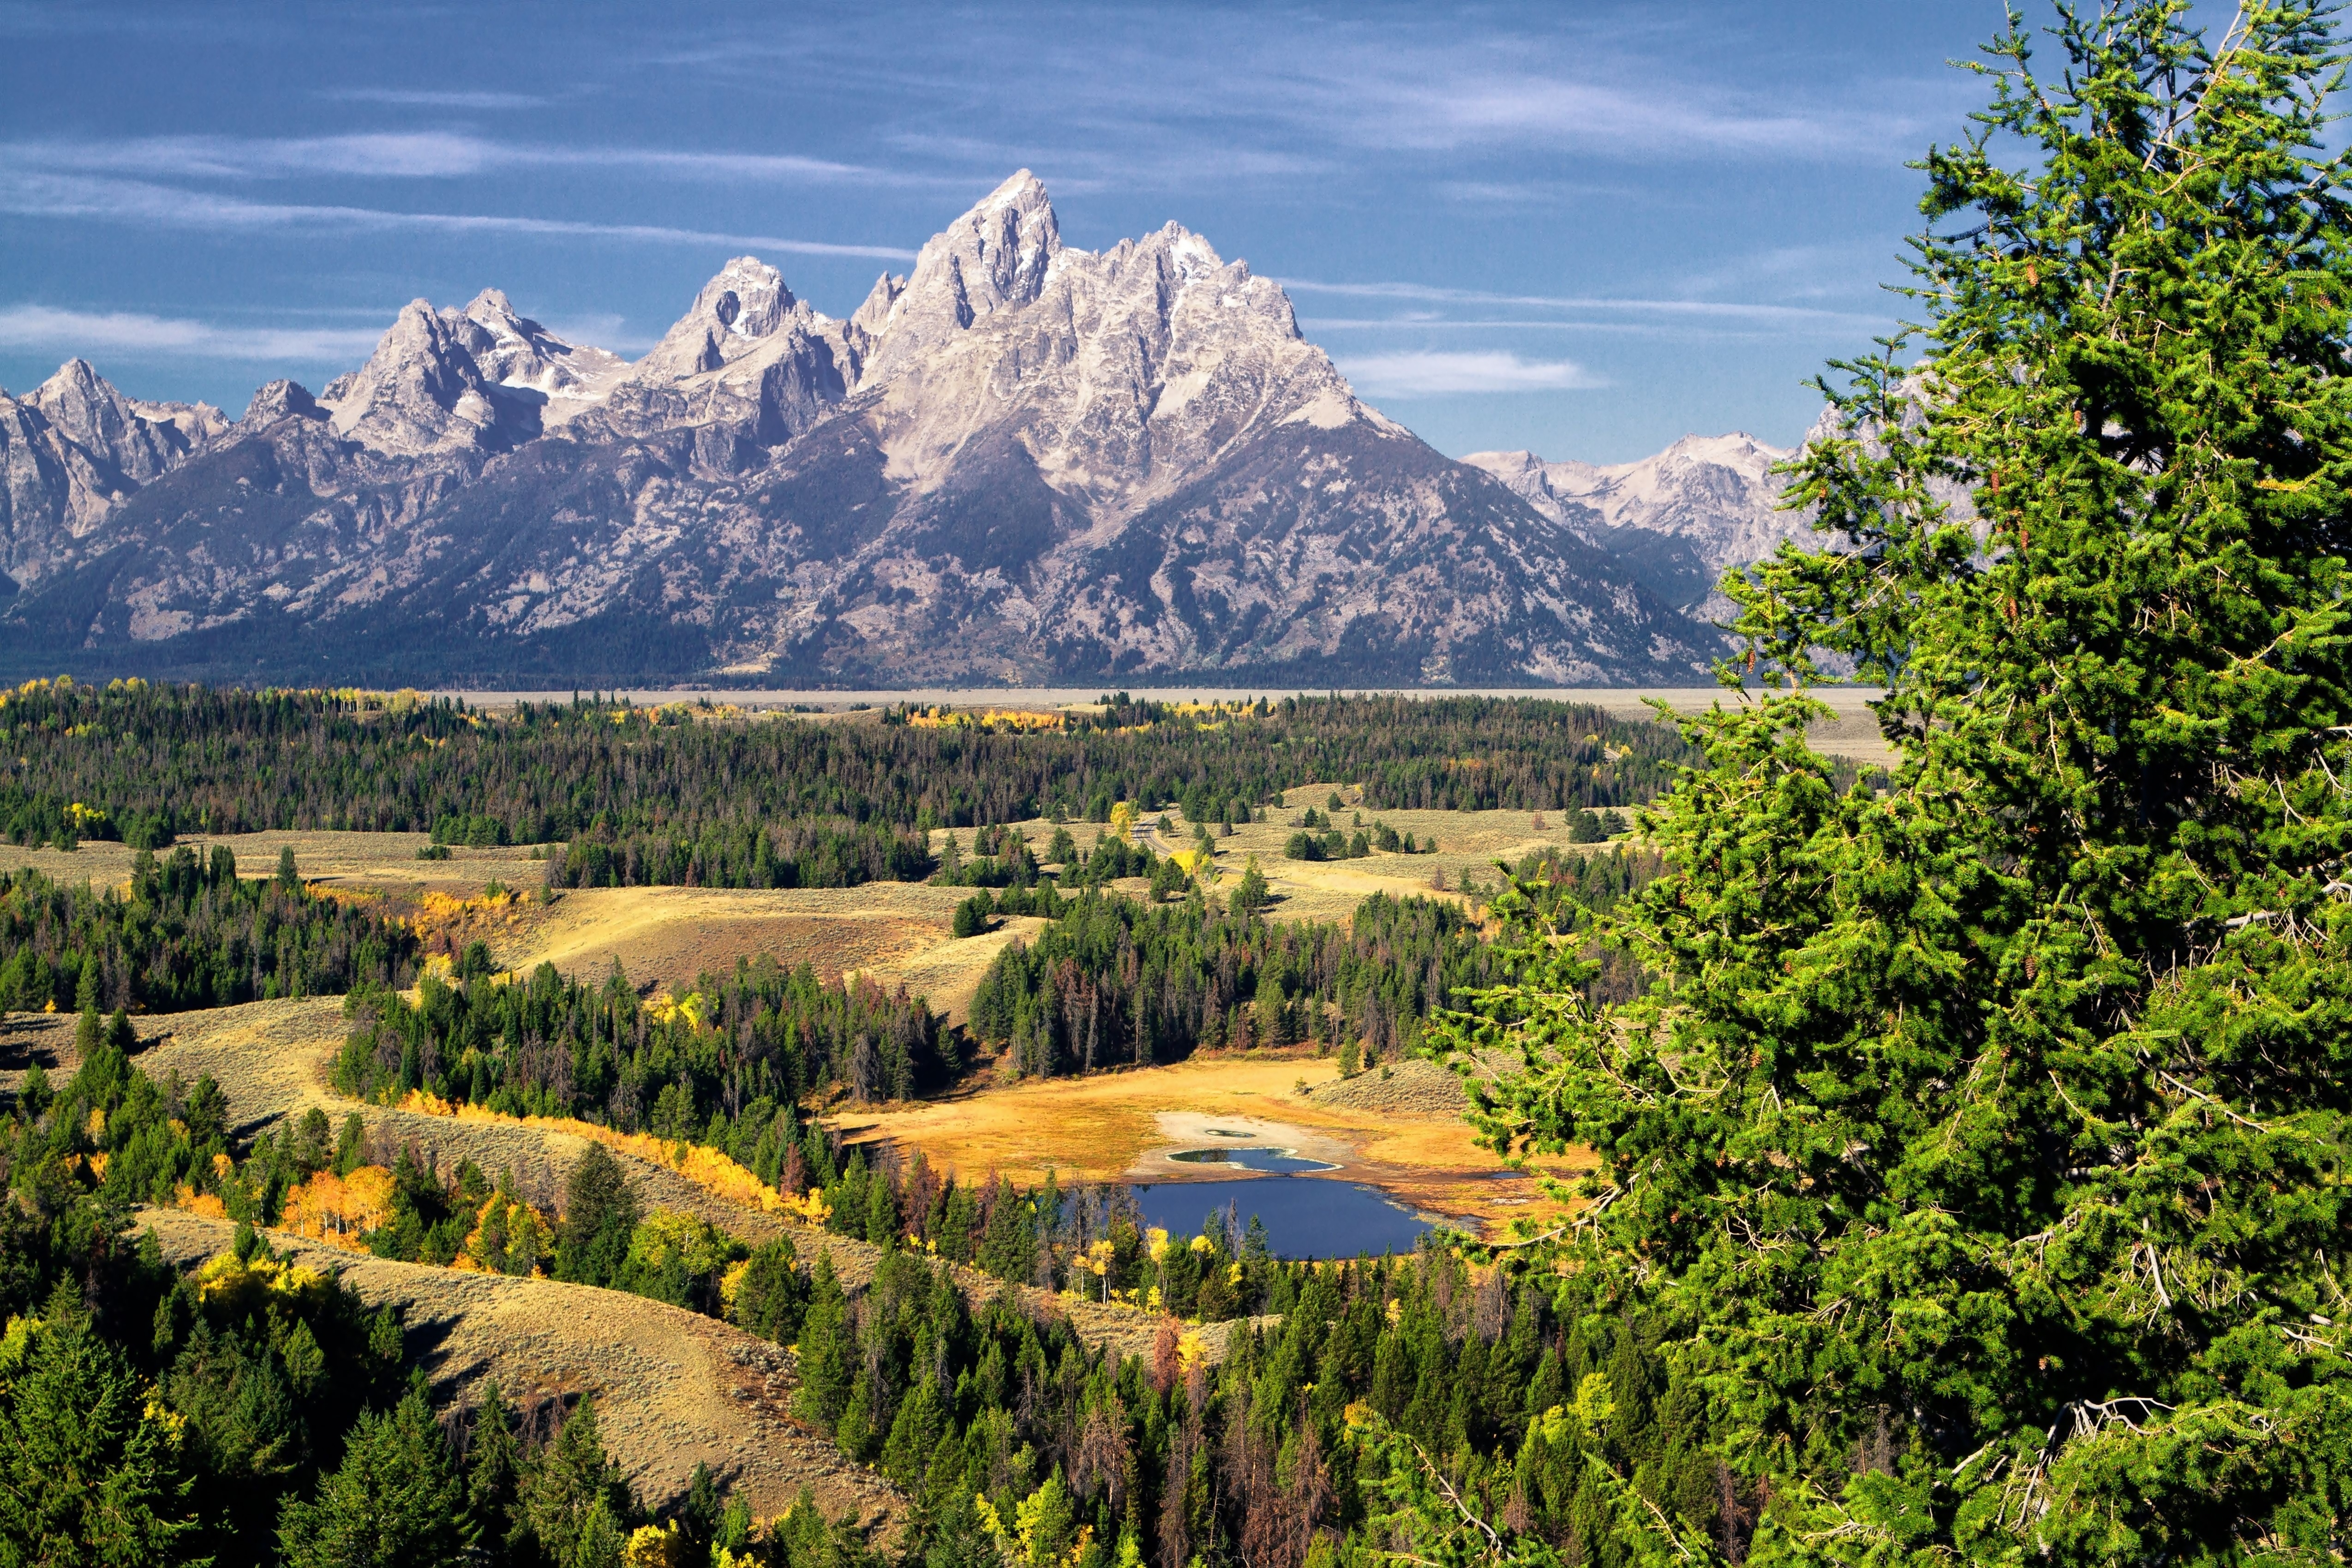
<point x="1584" y="228"/>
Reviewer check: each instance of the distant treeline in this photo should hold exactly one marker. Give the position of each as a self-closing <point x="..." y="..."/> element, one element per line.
<point x="190" y="934"/>
<point x="674" y="793"/>
<point x="743" y="855"/>
<point x="1115" y="983"/>
<point x="715" y="1066"/>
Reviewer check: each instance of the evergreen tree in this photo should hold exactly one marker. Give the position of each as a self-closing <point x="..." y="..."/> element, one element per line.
<point x="395" y="1502"/>
<point x="574" y="1500"/>
<point x="1982" y="1142"/>
<point x="828" y="1349"/>
<point x="89" y="1464"/>
<point x="698" y="1517"/>
<point x="350" y="1145"/>
<point x="773" y="1295"/>
<point x="600" y="1213"/>
<point x="1250" y="895"/>
<point x="494" y="1477"/>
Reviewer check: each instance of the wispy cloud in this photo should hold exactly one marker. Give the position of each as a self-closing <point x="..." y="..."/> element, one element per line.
<point x="1719" y="309"/>
<point x="1440" y="374"/>
<point x="1453" y="103"/>
<point x="1265" y="90"/>
<point x="431" y="154"/>
<point x="90" y="332"/>
<point x="137" y="201"/>
<point x="423" y="98"/>
<point x="1656" y="331"/>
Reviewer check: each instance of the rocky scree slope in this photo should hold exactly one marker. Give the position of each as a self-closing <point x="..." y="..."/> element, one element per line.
<point x="1021" y="461"/>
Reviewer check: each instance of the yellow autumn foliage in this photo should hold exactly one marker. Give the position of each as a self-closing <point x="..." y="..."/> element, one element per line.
<point x="668" y="1009"/>
<point x="730" y="1286"/>
<point x="439" y="912"/>
<point x="656" y="1546"/>
<point x="510" y="1236"/>
<point x="713" y="1172"/>
<point x="985" y="719"/>
<point x="338" y="1210"/>
<point x="244" y="1287"/>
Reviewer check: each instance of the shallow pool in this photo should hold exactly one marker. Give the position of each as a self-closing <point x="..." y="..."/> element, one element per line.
<point x="1303" y="1217"/>
<point x="1271" y="1161"/>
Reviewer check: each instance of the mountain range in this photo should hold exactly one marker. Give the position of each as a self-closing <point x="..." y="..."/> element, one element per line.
<point x="1020" y="462"/>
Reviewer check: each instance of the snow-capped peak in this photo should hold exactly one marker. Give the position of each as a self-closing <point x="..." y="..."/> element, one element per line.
<point x="744" y="303"/>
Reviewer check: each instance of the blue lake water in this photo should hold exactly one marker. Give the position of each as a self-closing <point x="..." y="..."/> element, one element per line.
<point x="1282" y="1161"/>
<point x="1304" y="1218"/>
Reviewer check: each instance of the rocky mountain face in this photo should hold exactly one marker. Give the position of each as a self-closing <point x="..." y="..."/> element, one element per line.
<point x="1020" y="462"/>
<point x="1678" y="520"/>
<point x="480" y="379"/>
<point x="73" y="447"/>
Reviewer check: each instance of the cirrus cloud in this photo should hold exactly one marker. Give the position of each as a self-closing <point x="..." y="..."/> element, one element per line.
<point x="1442" y="373"/>
<point x="142" y="202"/>
<point x="86" y="333"/>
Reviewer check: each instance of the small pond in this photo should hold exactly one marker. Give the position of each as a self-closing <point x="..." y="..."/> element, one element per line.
<point x="1272" y="1161"/>
<point x="1303" y="1217"/>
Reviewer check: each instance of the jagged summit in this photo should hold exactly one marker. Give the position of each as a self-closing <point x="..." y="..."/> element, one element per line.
<point x="421" y="390"/>
<point x="276" y="400"/>
<point x="1683" y="516"/>
<point x="71" y="450"/>
<point x="994" y="257"/>
<point x="749" y="362"/>
<point x="746" y="302"/>
<point x="1020" y="460"/>
<point x="483" y="378"/>
<point x="87" y="409"/>
<point x="525" y="357"/>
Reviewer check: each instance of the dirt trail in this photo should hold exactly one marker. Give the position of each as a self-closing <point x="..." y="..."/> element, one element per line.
<point x="672" y="1388"/>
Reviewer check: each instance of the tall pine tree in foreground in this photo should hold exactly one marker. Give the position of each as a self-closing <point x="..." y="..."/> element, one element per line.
<point x="1982" y="1148"/>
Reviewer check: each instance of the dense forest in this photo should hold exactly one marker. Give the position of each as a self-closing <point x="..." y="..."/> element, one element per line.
<point x="1535" y="1401"/>
<point x="1113" y="983"/>
<point x="252" y="1411"/>
<point x="191" y="933"/>
<point x="144" y="764"/>
<point x="717" y="1066"/>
